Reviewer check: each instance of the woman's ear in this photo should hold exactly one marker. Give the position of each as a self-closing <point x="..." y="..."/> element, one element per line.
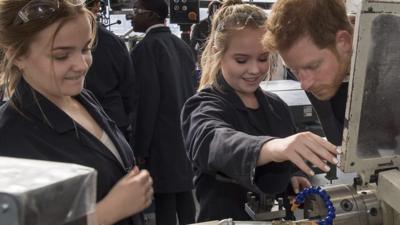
<point x="18" y="61"/>
<point x="214" y="50"/>
<point x="344" y="42"/>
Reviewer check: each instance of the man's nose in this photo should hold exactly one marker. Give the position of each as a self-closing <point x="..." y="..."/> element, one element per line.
<point x="306" y="80"/>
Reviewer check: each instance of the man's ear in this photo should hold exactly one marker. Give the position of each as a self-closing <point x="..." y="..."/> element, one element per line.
<point x="344" y="42"/>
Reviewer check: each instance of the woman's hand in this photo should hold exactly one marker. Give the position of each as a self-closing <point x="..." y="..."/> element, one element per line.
<point x="132" y="194"/>
<point x="299" y="183"/>
<point x="298" y="148"/>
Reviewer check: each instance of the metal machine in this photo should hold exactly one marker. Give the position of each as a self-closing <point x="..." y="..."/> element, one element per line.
<point x="290" y="92"/>
<point x="184" y="11"/>
<point x="38" y="192"/>
<point x="371" y="138"/>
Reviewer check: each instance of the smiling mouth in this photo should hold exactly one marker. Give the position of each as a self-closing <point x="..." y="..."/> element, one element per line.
<point x="74" y="77"/>
<point x="251" y="79"/>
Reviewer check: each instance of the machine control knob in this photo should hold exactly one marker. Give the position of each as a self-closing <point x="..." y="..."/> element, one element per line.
<point x="357" y="181"/>
<point x="346" y="205"/>
<point x="373" y="211"/>
<point x="4" y="208"/>
<point x="192" y="16"/>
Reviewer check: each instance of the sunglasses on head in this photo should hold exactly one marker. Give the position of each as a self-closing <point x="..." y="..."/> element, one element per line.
<point x="39" y="9"/>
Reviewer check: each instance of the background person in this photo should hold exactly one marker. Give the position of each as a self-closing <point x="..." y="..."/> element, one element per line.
<point x="112" y="78"/>
<point x="201" y="31"/>
<point x="165" y="66"/>
<point x="50" y="116"/>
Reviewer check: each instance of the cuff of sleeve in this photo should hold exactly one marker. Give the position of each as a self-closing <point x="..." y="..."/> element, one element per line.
<point x="256" y="155"/>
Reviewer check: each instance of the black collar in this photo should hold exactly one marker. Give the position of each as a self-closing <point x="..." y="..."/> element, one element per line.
<point x="33" y="104"/>
<point x="159" y="29"/>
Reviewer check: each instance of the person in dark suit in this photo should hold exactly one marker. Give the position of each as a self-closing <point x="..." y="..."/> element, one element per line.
<point x="165" y="66"/>
<point x="239" y="138"/>
<point x="111" y="77"/>
<point x="51" y="117"/>
<point x="201" y="31"/>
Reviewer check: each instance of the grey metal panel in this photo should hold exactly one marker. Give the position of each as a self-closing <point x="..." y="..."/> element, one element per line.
<point x="371" y="136"/>
<point x="45" y="193"/>
<point x="280" y="85"/>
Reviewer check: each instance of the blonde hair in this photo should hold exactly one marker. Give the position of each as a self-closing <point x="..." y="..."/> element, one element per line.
<point x="232" y="16"/>
<point x="15" y="39"/>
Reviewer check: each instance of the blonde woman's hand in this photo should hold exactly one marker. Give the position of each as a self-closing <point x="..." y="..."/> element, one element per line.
<point x="299" y="183"/>
<point x="132" y="194"/>
<point x="299" y="148"/>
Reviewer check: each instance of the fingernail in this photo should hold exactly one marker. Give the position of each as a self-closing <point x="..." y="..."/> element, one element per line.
<point x="296" y="191"/>
<point x="327" y="168"/>
<point x="339" y="149"/>
<point x="335" y="161"/>
<point x="311" y="173"/>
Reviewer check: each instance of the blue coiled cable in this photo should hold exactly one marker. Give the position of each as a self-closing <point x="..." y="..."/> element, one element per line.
<point x="301" y="197"/>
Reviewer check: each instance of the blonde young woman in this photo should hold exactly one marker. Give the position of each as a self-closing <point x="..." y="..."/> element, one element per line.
<point x="238" y="137"/>
<point x="47" y="46"/>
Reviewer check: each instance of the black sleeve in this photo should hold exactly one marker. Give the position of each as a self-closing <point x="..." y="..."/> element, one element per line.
<point x="194" y="35"/>
<point x="215" y="147"/>
<point x="129" y="87"/>
<point x="112" y="79"/>
<point x="194" y="40"/>
<point x="144" y="62"/>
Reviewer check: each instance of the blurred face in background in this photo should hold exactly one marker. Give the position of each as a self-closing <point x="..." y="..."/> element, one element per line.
<point x="142" y="17"/>
<point x="213" y="8"/>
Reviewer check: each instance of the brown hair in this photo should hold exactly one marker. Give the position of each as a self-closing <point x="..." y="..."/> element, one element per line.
<point x="15" y="38"/>
<point x="292" y="19"/>
<point x="232" y="16"/>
